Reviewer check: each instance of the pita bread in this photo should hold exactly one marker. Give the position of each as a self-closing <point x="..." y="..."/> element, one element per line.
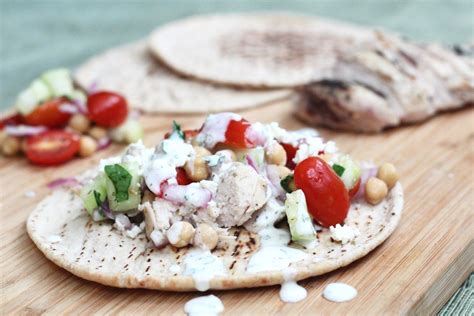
<point x="148" y="86"/>
<point x="64" y="232"/>
<point x="259" y="50"/>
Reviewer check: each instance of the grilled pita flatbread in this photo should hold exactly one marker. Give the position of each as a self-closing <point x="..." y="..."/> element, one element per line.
<point x="260" y="50"/>
<point x="64" y="232"/>
<point x="149" y="86"/>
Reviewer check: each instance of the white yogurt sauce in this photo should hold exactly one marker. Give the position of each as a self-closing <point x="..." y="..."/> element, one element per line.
<point x="274" y="258"/>
<point x="202" y="266"/>
<point x="175" y="268"/>
<point x="214" y="128"/>
<point x="30" y="194"/>
<point x="54" y="239"/>
<point x="272" y="236"/>
<point x="204" y="306"/>
<point x="339" y="292"/>
<point x="290" y="291"/>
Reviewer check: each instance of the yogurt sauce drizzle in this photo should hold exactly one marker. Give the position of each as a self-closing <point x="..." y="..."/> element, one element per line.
<point x="290" y="291"/>
<point x="339" y="292"/>
<point x="204" y="306"/>
<point x="202" y="266"/>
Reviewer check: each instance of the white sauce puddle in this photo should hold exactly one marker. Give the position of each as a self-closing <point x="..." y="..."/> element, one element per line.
<point x="175" y="268"/>
<point x="202" y="266"/>
<point x="339" y="292"/>
<point x="30" y="194"/>
<point x="54" y="239"/>
<point x="204" y="306"/>
<point x="290" y="291"/>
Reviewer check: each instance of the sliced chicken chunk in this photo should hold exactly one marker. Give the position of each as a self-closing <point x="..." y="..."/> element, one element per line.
<point x="240" y="192"/>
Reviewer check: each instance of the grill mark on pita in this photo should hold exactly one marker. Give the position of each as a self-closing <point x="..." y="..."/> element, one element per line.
<point x="148" y="268"/>
<point x="232" y="264"/>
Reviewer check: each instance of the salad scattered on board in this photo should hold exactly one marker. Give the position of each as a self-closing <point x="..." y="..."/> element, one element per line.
<point x="233" y="204"/>
<point x="55" y="121"/>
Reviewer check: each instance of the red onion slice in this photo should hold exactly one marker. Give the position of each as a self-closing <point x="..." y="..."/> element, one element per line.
<point x="104" y="143"/>
<point x="251" y="162"/>
<point x="70" y="108"/>
<point x="368" y="170"/>
<point x="24" y="130"/>
<point x="63" y="182"/>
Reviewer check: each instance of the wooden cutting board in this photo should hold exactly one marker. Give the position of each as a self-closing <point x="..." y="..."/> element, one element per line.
<point x="414" y="272"/>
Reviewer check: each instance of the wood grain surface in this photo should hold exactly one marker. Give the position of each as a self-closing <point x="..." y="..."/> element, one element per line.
<point x="414" y="272"/>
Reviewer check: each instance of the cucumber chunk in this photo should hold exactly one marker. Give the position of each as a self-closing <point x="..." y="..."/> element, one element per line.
<point x="94" y="193"/>
<point x="301" y="225"/>
<point x="40" y="90"/>
<point x="123" y="187"/>
<point x="26" y="102"/>
<point x="129" y="132"/>
<point x="257" y="155"/>
<point x="59" y="81"/>
<point x="78" y="95"/>
<point x="351" y="171"/>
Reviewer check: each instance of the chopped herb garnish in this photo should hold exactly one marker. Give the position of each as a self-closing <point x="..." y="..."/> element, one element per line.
<point x="288" y="183"/>
<point x="338" y="169"/>
<point x="97" y="198"/>
<point x="177" y="130"/>
<point x="121" y="180"/>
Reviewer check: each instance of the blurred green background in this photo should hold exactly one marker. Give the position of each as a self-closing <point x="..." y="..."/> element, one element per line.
<point x="37" y="35"/>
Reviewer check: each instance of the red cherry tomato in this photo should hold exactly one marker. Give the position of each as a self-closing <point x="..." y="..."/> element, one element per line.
<point x="107" y="109"/>
<point x="290" y="154"/>
<point x="52" y="147"/>
<point x="48" y="114"/>
<point x="355" y="189"/>
<point x="236" y="134"/>
<point x="14" y="119"/>
<point x="181" y="177"/>
<point x="326" y="195"/>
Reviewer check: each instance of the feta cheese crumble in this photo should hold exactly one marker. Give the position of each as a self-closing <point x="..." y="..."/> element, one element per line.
<point x="343" y="234"/>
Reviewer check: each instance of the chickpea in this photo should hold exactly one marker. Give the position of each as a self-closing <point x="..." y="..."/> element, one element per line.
<point x="3" y="135"/>
<point x="375" y="191"/>
<point x="205" y="237"/>
<point x="80" y="123"/>
<point x="87" y="146"/>
<point x="180" y="234"/>
<point x="276" y="154"/>
<point x="11" y="146"/>
<point x="24" y="145"/>
<point x="326" y="157"/>
<point x="98" y="132"/>
<point x="196" y="169"/>
<point x="388" y="174"/>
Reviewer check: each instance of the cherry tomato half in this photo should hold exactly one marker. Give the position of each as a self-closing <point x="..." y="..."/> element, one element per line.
<point x="107" y="109"/>
<point x="52" y="147"/>
<point x="236" y="134"/>
<point x="326" y="195"/>
<point x="48" y="114"/>
<point x="181" y="177"/>
<point x="13" y="119"/>
<point x="290" y="154"/>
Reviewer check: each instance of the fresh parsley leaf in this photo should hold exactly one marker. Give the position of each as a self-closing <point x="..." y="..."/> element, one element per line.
<point x="338" y="169"/>
<point x="121" y="179"/>
<point x="288" y="184"/>
<point x="177" y="130"/>
<point x="97" y="198"/>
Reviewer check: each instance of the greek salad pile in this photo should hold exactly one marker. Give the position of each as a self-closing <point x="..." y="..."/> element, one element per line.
<point x="55" y="121"/>
<point x="196" y="184"/>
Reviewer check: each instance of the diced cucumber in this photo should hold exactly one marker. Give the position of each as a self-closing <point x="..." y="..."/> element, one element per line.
<point x="40" y="90"/>
<point x="94" y="193"/>
<point x="133" y="194"/>
<point x="59" y="81"/>
<point x="26" y="102"/>
<point x="351" y="171"/>
<point x="301" y="224"/>
<point x="129" y="132"/>
<point x="257" y="154"/>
